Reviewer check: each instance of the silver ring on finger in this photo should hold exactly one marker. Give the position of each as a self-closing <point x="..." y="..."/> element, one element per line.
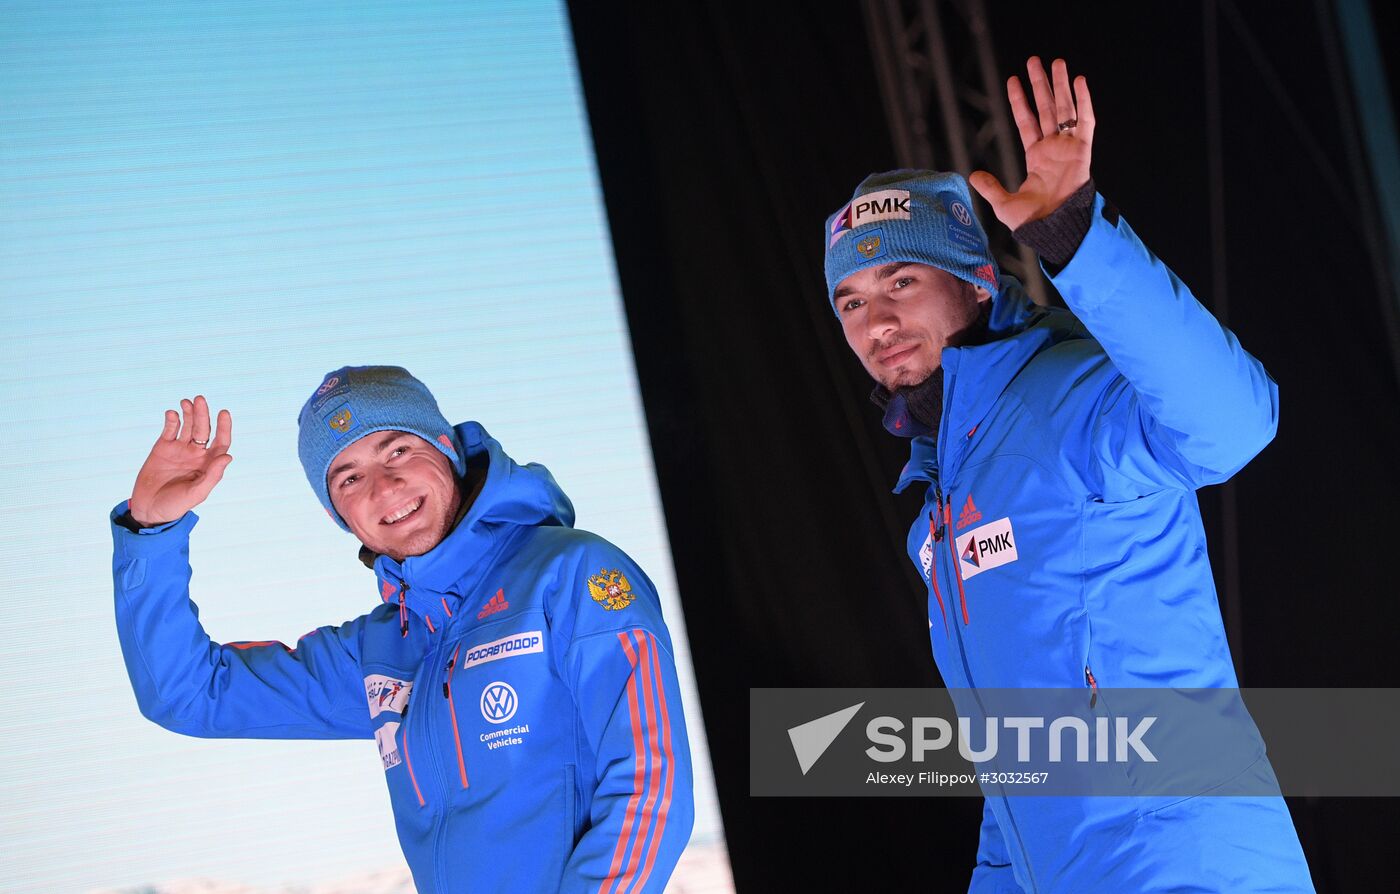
<point x="204" y="443"/>
<point x="1063" y="126"/>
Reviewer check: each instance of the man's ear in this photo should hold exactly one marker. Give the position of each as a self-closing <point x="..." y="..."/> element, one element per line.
<point x="982" y="294"/>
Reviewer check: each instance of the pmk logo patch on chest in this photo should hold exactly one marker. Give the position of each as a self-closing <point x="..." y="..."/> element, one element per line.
<point x="985" y="548"/>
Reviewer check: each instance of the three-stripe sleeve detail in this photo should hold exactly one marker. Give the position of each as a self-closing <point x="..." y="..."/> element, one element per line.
<point x="653" y="767"/>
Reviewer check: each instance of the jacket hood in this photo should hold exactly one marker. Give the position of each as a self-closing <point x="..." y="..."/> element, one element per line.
<point x="975" y="376"/>
<point x="509" y="497"/>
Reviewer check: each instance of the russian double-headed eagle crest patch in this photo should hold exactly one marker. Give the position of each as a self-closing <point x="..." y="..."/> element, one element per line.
<point x="611" y="590"/>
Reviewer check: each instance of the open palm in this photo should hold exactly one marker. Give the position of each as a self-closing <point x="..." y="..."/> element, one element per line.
<point x="1058" y="137"/>
<point x="183" y="466"/>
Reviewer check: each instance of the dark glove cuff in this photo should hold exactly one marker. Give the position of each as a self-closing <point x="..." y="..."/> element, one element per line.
<point x="126" y="520"/>
<point x="1056" y="238"/>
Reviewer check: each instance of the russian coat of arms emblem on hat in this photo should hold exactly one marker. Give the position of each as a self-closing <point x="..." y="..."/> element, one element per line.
<point x="868" y="247"/>
<point x="340" y="421"/>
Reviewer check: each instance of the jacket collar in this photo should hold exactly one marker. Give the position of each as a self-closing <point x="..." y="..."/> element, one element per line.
<point x="507" y="498"/>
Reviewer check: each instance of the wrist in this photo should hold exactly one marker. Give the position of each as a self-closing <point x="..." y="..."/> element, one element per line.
<point x="137" y="522"/>
<point x="138" y="519"/>
<point x="1056" y="237"/>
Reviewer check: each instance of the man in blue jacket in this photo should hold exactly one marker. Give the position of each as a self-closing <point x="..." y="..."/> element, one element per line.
<point x="1060" y="453"/>
<point x="517" y="675"/>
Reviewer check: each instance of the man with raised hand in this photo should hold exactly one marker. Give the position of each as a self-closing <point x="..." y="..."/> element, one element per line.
<point x="516" y="674"/>
<point x="1060" y="452"/>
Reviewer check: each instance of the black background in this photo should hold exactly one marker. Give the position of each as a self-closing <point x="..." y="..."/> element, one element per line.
<point x="726" y="133"/>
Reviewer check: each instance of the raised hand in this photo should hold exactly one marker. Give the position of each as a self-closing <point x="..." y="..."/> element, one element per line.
<point x="183" y="466"/>
<point x="1057" y="137"/>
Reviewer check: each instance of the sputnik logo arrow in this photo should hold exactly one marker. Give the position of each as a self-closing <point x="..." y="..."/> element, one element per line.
<point x="811" y="739"/>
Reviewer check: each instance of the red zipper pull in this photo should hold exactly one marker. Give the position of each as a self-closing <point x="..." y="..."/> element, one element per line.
<point x="933" y="572"/>
<point x="1093" y="684"/>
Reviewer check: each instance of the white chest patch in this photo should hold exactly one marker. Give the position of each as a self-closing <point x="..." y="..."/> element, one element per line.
<point x="386" y="694"/>
<point x="527" y="643"/>
<point x="388" y="748"/>
<point x="926" y="556"/>
<point x="985" y="548"/>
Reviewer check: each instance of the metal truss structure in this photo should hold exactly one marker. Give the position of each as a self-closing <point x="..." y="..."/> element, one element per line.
<point x="947" y="109"/>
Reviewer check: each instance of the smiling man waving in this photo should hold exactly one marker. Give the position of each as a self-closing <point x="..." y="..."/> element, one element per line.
<point x="517" y="675"/>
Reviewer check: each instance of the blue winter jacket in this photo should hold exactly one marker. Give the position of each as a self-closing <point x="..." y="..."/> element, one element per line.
<point x="1062" y="545"/>
<point x="518" y="679"/>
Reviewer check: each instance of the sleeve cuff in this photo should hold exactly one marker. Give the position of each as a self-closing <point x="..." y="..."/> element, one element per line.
<point x="133" y="540"/>
<point x="1108" y="258"/>
<point x="1057" y="237"/>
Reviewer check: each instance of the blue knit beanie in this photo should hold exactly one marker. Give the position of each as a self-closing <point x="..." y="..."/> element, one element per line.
<point x="920" y="216"/>
<point x="355" y="401"/>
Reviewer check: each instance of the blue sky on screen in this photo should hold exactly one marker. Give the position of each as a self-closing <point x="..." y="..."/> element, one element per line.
<point x="234" y="199"/>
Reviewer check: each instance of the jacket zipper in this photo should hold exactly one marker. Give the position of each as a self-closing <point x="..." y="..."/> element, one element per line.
<point x="962" y="656"/>
<point x="935" y="535"/>
<point x="953" y="551"/>
<point x="1093" y="686"/>
<point x="408" y="761"/>
<point x="440" y="819"/>
<point x="452" y="709"/>
<point x="950" y="384"/>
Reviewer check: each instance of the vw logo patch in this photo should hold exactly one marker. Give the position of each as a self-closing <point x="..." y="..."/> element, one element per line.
<point x="498" y="702"/>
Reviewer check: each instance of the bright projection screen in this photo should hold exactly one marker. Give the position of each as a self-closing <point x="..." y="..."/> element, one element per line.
<point x="233" y="199"/>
